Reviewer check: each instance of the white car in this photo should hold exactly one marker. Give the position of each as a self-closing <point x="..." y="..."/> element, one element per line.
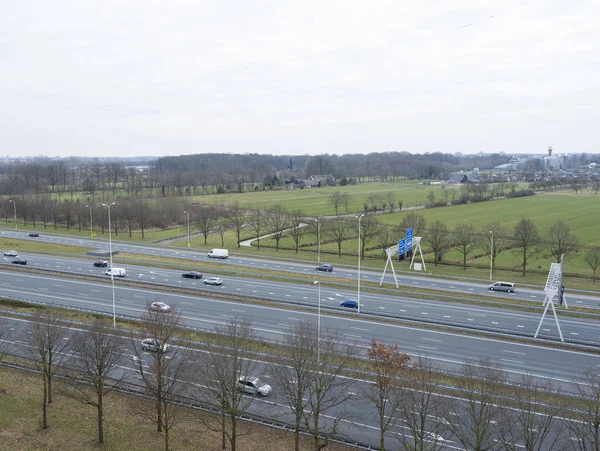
<point x="150" y="344"/>
<point x="11" y="253"/>
<point x="213" y="281"/>
<point x="253" y="386"/>
<point x="160" y="307"/>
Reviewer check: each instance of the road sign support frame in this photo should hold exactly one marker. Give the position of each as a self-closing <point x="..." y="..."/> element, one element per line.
<point x="417" y="246"/>
<point x="390" y="252"/>
<point x="552" y="288"/>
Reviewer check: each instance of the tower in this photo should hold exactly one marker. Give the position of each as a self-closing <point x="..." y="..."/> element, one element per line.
<point x="550" y="151"/>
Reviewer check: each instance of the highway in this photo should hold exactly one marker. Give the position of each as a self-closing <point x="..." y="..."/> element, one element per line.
<point x="201" y="311"/>
<point x="533" y="294"/>
<point x="388" y="302"/>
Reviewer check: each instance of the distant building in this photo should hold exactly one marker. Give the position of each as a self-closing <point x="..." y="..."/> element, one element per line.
<point x="553" y="162"/>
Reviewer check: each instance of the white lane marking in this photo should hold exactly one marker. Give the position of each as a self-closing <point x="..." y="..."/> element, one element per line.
<point x="423" y="313"/>
<point x="513" y="352"/>
<point x="446" y="316"/>
<point x="518" y="325"/>
<point x="351" y="336"/>
<point x="512" y="361"/>
<point x="359" y="328"/>
<point x="432" y="339"/>
<point x="574" y="333"/>
<point x="427" y="347"/>
<point x="495" y="322"/>
<point x="237" y="310"/>
<point x="470" y="319"/>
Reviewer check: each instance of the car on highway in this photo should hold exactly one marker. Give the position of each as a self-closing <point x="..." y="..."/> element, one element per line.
<point x="213" y="281"/>
<point x="19" y="261"/>
<point x="153" y="345"/>
<point x="253" y="386"/>
<point x="325" y="267"/>
<point x="503" y="286"/>
<point x="349" y="303"/>
<point x="192" y="275"/>
<point x="160" y="307"/>
<point x="34" y="234"/>
<point x="101" y="264"/>
<point x="10" y="253"/>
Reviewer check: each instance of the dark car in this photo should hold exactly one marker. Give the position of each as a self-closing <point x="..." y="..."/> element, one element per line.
<point x="34" y="234"/>
<point x="19" y="261"/>
<point x="101" y="264"/>
<point x="192" y="275"/>
<point x="325" y="267"/>
<point x="350" y="303"/>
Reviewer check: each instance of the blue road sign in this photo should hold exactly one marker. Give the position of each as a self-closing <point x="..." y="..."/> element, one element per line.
<point x="409" y="239"/>
<point x="401" y="246"/>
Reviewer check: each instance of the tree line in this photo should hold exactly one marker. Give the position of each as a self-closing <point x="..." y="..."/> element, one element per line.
<point x="414" y="410"/>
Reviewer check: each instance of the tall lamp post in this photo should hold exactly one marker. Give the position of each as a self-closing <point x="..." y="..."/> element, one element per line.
<point x="358" y="299"/>
<point x="318" y="240"/>
<point x="15" y="210"/>
<point x="319" y="324"/>
<point x="91" y="222"/>
<point x="188" y="221"/>
<point x="112" y="276"/>
<point x="491" y="254"/>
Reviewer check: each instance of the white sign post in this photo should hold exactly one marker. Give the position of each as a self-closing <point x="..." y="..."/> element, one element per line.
<point x="553" y="287"/>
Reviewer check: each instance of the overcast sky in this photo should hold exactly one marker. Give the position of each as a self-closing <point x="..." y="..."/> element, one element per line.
<point x="141" y="77"/>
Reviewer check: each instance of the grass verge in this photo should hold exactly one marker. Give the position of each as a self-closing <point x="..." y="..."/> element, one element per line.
<point x="73" y="425"/>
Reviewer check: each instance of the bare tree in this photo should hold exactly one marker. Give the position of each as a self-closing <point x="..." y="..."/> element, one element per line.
<point x="277" y="221"/>
<point x="532" y="424"/>
<point x="525" y="235"/>
<point x="386" y="363"/>
<point x="98" y="354"/>
<point x="328" y="392"/>
<point x="297" y="229"/>
<point x="438" y="237"/>
<point x="338" y="231"/>
<point x="391" y="199"/>
<point x="335" y="200"/>
<point x="221" y="229"/>
<point x="205" y="221"/>
<point x="494" y="238"/>
<point x="143" y="213"/>
<point x="369" y="229"/>
<point x="220" y="370"/>
<point x="164" y="376"/>
<point x="422" y="423"/>
<point x="592" y="258"/>
<point x="293" y="376"/>
<point x="474" y="417"/>
<point x="345" y="201"/>
<point x="466" y="240"/>
<point x="47" y="344"/>
<point x="257" y="219"/>
<point x="584" y="423"/>
<point x="385" y="239"/>
<point x="561" y="240"/>
<point x="414" y="220"/>
<point x="237" y="220"/>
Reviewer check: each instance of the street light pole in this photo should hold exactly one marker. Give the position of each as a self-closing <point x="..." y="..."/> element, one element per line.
<point x="92" y="222"/>
<point x="491" y="254"/>
<point x="112" y="275"/>
<point x="188" y="221"/>
<point x="358" y="299"/>
<point x="15" y="210"/>
<point x="318" y="240"/>
<point x="319" y="324"/>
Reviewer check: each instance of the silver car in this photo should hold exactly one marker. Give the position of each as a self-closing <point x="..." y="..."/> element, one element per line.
<point x="253" y="386"/>
<point x="150" y="344"/>
<point x="213" y="281"/>
<point x="10" y="253"/>
<point x="160" y="307"/>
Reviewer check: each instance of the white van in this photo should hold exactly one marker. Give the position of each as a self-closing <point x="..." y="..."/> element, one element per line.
<point x="117" y="272"/>
<point x="502" y="286"/>
<point x="218" y="253"/>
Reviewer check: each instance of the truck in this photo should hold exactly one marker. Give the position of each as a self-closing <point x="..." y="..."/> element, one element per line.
<point x="117" y="272"/>
<point x="218" y="253"/>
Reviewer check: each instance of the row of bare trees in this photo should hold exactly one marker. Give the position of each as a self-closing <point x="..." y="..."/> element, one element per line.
<point x="314" y="382"/>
